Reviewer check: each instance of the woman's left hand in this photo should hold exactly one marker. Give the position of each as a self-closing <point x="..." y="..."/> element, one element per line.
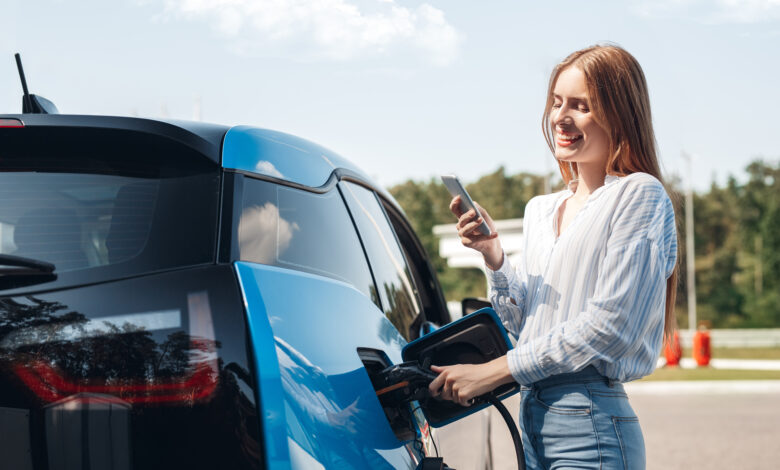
<point x="462" y="382"/>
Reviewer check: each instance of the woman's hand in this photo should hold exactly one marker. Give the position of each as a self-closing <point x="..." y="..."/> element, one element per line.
<point x="462" y="382"/>
<point x="471" y="237"/>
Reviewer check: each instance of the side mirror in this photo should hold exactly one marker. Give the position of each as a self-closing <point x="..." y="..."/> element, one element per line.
<point x="472" y="304"/>
<point x="428" y="327"/>
<point x="474" y="339"/>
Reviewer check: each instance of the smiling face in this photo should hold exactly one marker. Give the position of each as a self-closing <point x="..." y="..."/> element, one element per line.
<point x="578" y="137"/>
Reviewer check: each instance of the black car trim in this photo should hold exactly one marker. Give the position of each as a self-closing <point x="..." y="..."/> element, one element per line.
<point x="203" y="138"/>
<point x="23" y="291"/>
<point x="339" y="174"/>
<point x="362" y="245"/>
<point x="221" y="209"/>
<point x="325" y="188"/>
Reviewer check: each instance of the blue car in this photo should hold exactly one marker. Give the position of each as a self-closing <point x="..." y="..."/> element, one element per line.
<point x="187" y="295"/>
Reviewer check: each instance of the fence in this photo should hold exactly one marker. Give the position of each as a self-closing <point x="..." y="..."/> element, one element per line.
<point x="719" y="338"/>
<point x="737" y="338"/>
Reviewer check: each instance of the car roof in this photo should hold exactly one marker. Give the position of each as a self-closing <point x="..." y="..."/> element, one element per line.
<point x="284" y="157"/>
<point x="258" y="152"/>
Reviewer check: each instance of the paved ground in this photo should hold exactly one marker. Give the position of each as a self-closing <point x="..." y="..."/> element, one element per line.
<point x="721" y="431"/>
<point x="685" y="431"/>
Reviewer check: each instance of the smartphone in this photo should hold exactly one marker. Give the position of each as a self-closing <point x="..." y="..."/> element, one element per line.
<point x="455" y="188"/>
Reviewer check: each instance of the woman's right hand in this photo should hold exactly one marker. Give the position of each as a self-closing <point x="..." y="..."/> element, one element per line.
<point x="471" y="237"/>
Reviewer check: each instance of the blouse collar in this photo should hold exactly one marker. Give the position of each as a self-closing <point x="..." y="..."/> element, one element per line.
<point x="608" y="180"/>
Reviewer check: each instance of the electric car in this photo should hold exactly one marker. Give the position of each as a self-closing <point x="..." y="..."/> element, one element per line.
<point x="188" y="295"/>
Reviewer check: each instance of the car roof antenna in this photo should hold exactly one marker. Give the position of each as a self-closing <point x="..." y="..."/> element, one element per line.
<point x="33" y="104"/>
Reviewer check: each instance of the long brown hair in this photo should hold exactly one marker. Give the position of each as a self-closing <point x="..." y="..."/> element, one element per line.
<point x="620" y="103"/>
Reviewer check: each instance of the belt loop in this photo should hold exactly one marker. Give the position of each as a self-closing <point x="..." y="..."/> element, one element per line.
<point x="612" y="382"/>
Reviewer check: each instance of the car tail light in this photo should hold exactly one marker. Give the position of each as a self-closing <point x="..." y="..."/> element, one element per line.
<point x="51" y="382"/>
<point x="50" y="385"/>
<point x="10" y="122"/>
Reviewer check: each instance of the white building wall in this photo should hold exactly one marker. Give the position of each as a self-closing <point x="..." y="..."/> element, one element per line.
<point x="458" y="256"/>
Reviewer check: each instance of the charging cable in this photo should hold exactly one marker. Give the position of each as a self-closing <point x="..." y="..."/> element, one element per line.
<point x="490" y="398"/>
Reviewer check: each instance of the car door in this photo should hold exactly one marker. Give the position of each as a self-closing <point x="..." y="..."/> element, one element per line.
<point x="316" y="319"/>
<point x="464" y="443"/>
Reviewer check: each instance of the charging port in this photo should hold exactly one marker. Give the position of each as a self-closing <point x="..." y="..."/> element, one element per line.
<point x="399" y="415"/>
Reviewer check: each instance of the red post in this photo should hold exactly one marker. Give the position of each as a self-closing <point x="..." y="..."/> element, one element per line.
<point x="672" y="350"/>
<point x="701" y="347"/>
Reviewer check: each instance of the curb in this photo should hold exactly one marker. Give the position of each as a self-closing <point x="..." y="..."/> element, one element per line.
<point x="734" y="364"/>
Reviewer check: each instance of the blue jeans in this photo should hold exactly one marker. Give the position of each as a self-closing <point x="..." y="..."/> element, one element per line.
<point x="580" y="420"/>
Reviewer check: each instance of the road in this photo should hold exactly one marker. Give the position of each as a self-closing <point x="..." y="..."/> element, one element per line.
<point x="721" y="431"/>
<point x="683" y="431"/>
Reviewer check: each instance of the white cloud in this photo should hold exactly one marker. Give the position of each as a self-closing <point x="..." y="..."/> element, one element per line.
<point x="747" y="11"/>
<point x="708" y="11"/>
<point x="324" y="29"/>
<point x="263" y="234"/>
<point x="268" y="168"/>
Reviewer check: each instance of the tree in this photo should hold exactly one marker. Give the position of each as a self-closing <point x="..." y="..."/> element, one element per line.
<point x="427" y="204"/>
<point x="760" y="223"/>
<point x="736" y="231"/>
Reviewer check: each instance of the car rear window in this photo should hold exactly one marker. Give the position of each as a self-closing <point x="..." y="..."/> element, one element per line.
<point x="104" y="204"/>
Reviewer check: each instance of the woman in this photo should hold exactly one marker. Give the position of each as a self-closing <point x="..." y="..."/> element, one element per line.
<point x="594" y="292"/>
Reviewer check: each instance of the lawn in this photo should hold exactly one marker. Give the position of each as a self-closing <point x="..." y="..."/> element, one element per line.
<point x="708" y="373"/>
<point x="738" y="353"/>
<point x="741" y="353"/>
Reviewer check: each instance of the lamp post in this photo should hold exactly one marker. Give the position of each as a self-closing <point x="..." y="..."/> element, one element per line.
<point x="689" y="246"/>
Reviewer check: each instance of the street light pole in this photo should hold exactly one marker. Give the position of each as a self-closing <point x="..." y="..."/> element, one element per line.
<point x="689" y="246"/>
<point x="548" y="174"/>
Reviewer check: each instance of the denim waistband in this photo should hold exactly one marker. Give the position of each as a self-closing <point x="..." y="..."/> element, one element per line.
<point x="586" y="375"/>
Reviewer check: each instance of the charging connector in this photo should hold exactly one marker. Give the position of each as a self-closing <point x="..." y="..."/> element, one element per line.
<point x="403" y="383"/>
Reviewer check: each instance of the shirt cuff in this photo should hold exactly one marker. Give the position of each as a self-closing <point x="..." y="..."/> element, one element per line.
<point x="503" y="276"/>
<point x="523" y="365"/>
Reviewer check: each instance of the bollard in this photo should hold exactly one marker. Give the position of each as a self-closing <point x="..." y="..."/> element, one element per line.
<point x="701" y="347"/>
<point x="672" y="350"/>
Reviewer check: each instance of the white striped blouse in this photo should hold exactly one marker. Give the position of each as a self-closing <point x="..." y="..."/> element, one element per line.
<point x="596" y="294"/>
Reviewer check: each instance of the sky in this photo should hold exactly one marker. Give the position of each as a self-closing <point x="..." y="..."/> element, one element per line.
<point x="406" y="89"/>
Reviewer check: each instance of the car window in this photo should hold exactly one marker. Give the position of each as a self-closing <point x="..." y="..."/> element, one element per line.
<point x="102" y="205"/>
<point x="391" y="272"/>
<point x="301" y="230"/>
<point x="428" y="290"/>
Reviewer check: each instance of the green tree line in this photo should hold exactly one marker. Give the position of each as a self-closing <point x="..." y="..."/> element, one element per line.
<point x="736" y="233"/>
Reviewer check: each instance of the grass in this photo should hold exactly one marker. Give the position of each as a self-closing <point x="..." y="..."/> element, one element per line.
<point x="738" y="353"/>
<point x="708" y="373"/>
<point x="741" y="353"/>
